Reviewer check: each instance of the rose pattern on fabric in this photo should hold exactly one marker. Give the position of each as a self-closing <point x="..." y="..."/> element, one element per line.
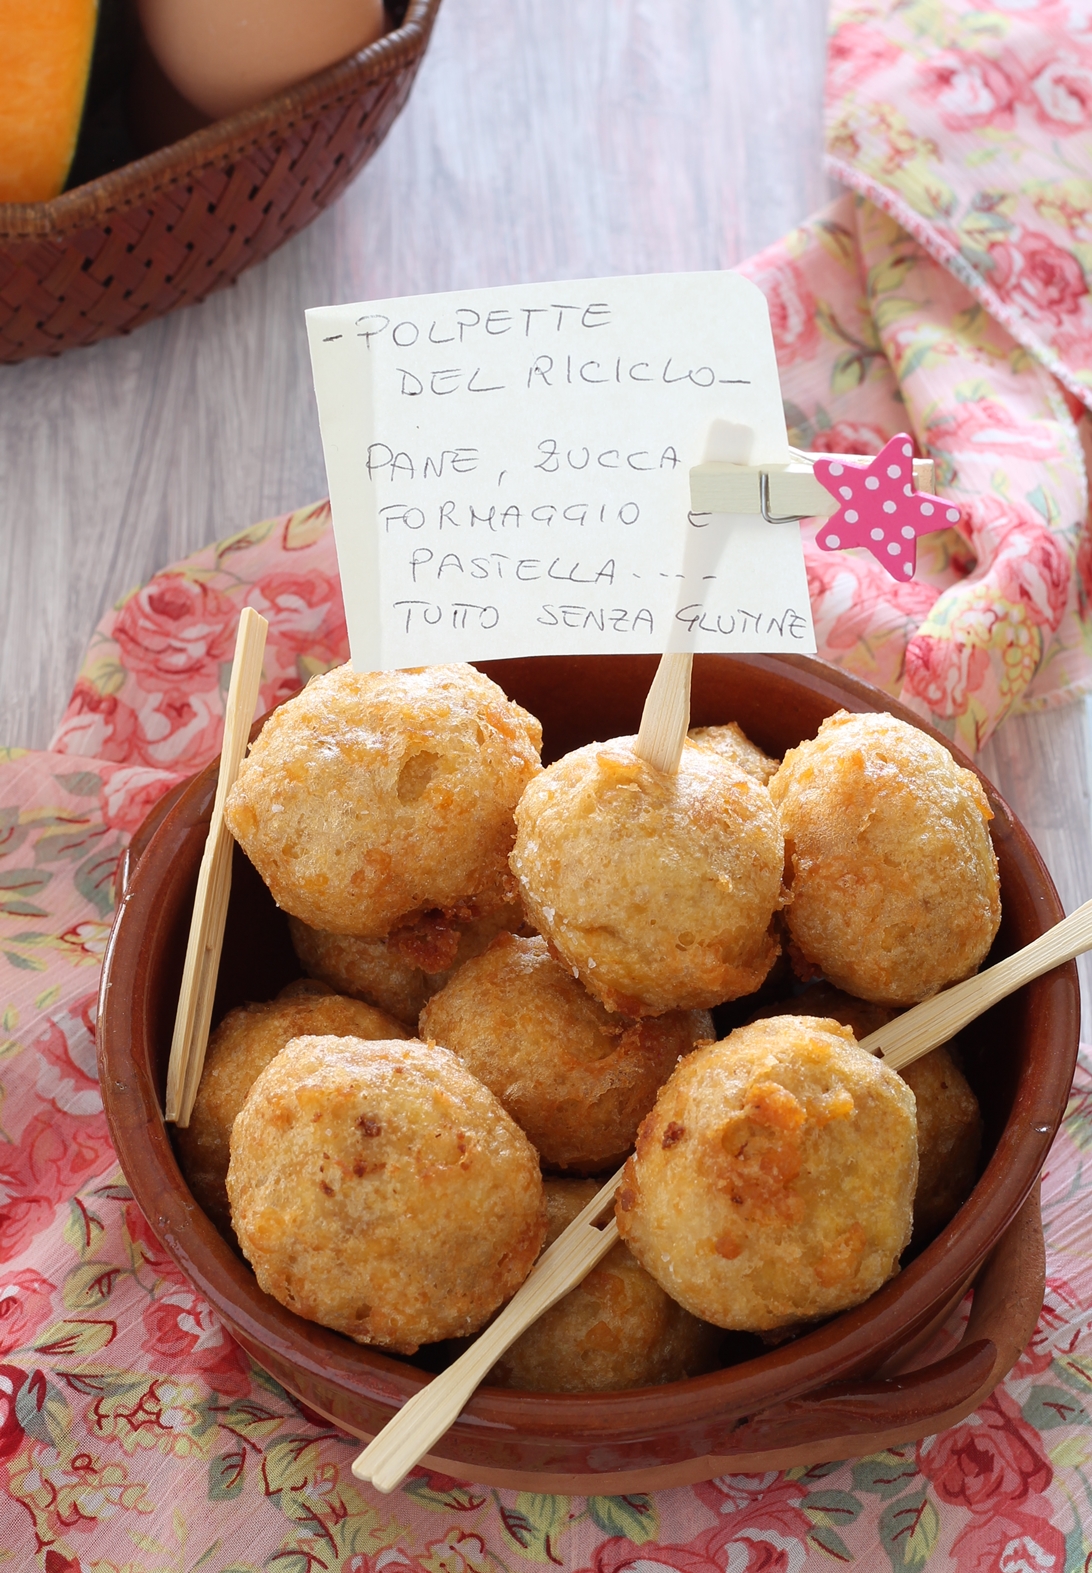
<point x="989" y="1462"/>
<point x="176" y="633"/>
<point x="918" y="351"/>
<point x="25" y="1299"/>
<point x="968" y="91"/>
<point x="973" y="128"/>
<point x="1011" y="1542"/>
<point x="1042" y="277"/>
<point x="792" y="315"/>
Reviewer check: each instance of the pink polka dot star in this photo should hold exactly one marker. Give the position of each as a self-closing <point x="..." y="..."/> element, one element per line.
<point x="879" y="508"/>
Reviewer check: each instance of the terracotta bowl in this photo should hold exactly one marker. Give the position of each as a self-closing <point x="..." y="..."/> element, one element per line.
<point x="844" y="1388"/>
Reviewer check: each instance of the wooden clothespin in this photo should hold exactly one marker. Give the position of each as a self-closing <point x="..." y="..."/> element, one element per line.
<point x="882" y="503"/>
<point x="785" y="491"/>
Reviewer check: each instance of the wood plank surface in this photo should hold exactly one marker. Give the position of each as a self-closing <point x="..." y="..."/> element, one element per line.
<point x="560" y="140"/>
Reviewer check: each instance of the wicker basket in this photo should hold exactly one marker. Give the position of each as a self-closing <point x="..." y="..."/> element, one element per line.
<point x="170" y="228"/>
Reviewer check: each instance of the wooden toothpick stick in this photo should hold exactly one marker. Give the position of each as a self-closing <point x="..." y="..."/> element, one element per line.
<point x="191" y="1027"/>
<point x="405" y="1439"/>
<point x="665" y="719"/>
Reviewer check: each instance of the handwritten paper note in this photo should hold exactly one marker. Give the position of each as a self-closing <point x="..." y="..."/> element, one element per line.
<point x="509" y="471"/>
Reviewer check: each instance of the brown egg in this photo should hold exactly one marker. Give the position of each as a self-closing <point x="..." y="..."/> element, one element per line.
<point x="224" y="55"/>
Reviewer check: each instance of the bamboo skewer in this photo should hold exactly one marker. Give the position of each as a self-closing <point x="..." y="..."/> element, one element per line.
<point x="191" y="1026"/>
<point x="388" y="1459"/>
<point x="913" y="1034"/>
<point x="665" y="719"/>
<point x="406" y="1438"/>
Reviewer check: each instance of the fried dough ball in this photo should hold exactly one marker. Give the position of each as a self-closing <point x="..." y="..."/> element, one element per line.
<point x="399" y="973"/>
<point x="657" y="890"/>
<point x="372" y="796"/>
<point x="615" y="1330"/>
<point x="238" y="1051"/>
<point x="949" y="1140"/>
<point x="577" y="1079"/>
<point x="949" y="1120"/>
<point x="381" y="1190"/>
<point x="894" y="891"/>
<point x="823" y="999"/>
<point x="732" y="742"/>
<point x="306" y="988"/>
<point x="774" y="1179"/>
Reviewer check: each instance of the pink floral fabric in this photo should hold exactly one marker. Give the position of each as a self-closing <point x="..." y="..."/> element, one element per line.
<point x="949" y="297"/>
<point x="971" y="122"/>
<point x="135" y="1436"/>
<point x="875" y="336"/>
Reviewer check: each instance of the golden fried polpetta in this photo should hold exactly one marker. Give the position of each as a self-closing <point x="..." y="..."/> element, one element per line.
<point x="657" y="890"/>
<point x="731" y="741"/>
<point x="617" y="1329"/>
<point x="576" y="1078"/>
<point x="894" y="888"/>
<point x="238" y="1051"/>
<point x="380" y="1189"/>
<point x="949" y="1121"/>
<point x="373" y="796"/>
<point x="401" y="973"/>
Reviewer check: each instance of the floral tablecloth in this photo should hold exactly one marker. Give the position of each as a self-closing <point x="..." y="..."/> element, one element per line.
<point x="947" y="295"/>
<point x="134" y="1434"/>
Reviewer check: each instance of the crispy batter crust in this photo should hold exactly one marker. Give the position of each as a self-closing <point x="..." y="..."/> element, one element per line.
<point x="381" y="1190"/>
<point x="949" y="1120"/>
<point x="658" y="891"/>
<point x="617" y="1329"/>
<point x="577" y="1079"/>
<point x="894" y="884"/>
<point x="774" y="1179"/>
<point x="399" y="973"/>
<point x="732" y="742"/>
<point x="949" y="1140"/>
<point x="238" y="1051"/>
<point x="373" y="796"/>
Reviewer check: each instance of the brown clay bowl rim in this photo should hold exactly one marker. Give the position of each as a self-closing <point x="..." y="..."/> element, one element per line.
<point x="223" y="141"/>
<point x="832" y="1351"/>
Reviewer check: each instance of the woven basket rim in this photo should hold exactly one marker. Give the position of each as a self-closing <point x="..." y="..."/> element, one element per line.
<point x="222" y="142"/>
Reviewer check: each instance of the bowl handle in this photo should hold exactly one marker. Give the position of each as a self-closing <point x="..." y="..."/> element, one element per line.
<point x="1008" y="1297"/>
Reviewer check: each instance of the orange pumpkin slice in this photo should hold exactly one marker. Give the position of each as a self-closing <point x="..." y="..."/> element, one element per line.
<point x="47" y="56"/>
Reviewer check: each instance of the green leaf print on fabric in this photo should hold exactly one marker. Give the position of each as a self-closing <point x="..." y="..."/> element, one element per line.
<point x="631" y="1517"/>
<point x="1048" y="1407"/>
<point x="534" y="1524"/>
<point x="887" y="1473"/>
<point x="81" y="783"/>
<point x="444" y="1495"/>
<point x="227" y="1475"/>
<point x="908" y="1530"/>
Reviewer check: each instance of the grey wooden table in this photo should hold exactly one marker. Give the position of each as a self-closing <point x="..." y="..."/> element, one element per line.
<point x="542" y="140"/>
